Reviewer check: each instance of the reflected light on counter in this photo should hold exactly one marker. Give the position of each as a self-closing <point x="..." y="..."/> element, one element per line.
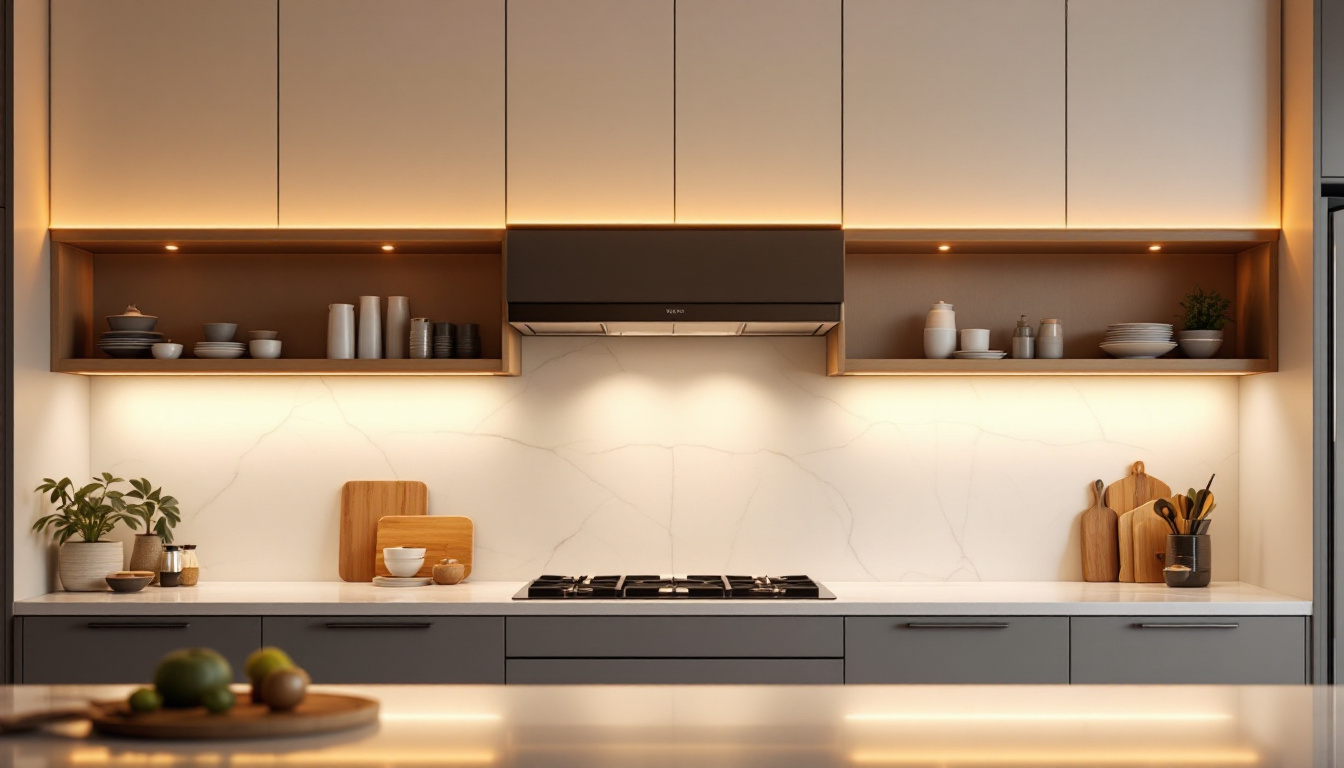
<point x="1108" y="717"/>
<point x="991" y="757"/>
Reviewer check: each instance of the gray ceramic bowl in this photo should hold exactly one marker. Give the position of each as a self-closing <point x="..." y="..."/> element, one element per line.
<point x="132" y="322"/>
<point x="129" y="581"/>
<point x="220" y="331"/>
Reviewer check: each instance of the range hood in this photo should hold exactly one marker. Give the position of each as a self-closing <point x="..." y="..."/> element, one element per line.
<point x="675" y="281"/>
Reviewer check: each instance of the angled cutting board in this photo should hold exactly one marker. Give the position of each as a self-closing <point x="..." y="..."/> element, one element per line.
<point x="441" y="536"/>
<point x="1125" y="496"/>
<point x="363" y="504"/>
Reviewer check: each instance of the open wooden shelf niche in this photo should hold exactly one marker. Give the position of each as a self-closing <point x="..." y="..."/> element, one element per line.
<point x="280" y="280"/>
<point x="1088" y="279"/>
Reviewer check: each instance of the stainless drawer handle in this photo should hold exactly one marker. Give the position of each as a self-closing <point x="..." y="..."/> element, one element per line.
<point x="1187" y="626"/>
<point x="379" y="625"/>
<point x="139" y="624"/>
<point x="963" y="625"/>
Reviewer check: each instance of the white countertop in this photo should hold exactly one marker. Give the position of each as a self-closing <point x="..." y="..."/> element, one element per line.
<point x="745" y="727"/>
<point x="494" y="598"/>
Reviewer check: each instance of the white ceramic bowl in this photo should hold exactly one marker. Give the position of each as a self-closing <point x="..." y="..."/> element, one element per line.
<point x="166" y="351"/>
<point x="389" y="552"/>
<point x="1200" y="349"/>
<point x="265" y="349"/>
<point x="404" y="568"/>
<point x="220" y="331"/>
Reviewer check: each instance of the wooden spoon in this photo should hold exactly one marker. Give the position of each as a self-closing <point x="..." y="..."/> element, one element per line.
<point x="1167" y="512"/>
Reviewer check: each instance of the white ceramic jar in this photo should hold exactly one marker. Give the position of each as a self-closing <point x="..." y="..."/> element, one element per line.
<point x="940" y="331"/>
<point x="341" y="332"/>
<point x="370" y="328"/>
<point x="1050" y="341"/>
<point x="397" y="327"/>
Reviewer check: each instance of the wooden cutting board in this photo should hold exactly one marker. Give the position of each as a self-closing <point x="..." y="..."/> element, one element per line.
<point x="319" y="713"/>
<point x="363" y="504"/>
<point x="1150" y="539"/>
<point x="441" y="536"/>
<point x="1101" y="553"/>
<point x="1135" y="490"/>
<point x="1124" y="535"/>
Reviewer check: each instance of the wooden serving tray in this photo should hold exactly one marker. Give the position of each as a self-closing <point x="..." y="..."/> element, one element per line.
<point x="319" y="713"/>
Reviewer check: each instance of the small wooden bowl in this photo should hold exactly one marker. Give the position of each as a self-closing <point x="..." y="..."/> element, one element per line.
<point x="129" y="581"/>
<point x="449" y="572"/>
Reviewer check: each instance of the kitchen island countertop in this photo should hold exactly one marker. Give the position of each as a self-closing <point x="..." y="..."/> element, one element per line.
<point x="494" y="598"/>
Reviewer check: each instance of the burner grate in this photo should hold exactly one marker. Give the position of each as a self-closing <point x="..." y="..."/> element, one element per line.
<point x="657" y="587"/>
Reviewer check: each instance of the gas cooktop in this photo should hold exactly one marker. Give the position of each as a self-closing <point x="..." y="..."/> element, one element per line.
<point x="673" y="588"/>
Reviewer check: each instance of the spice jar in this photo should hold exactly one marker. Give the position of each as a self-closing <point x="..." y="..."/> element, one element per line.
<point x="1050" y="341"/>
<point x="170" y="568"/>
<point x="191" y="567"/>
<point x="1024" y="340"/>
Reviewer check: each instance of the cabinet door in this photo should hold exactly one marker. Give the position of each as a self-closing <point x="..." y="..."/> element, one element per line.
<point x="954" y="113"/>
<point x="1173" y="113"/>
<point x="58" y="650"/>
<point x="163" y="113"/>
<point x="676" y="671"/>
<point x="391" y="113"/>
<point x="1332" y="88"/>
<point x="1176" y="650"/>
<point x="613" y="637"/>
<point x="412" y="649"/>
<point x="966" y="650"/>
<point x="758" y="111"/>
<point x="590" y="120"/>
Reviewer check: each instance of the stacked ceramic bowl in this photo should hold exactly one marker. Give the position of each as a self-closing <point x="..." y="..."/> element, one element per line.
<point x="403" y="562"/>
<point x="132" y="334"/>
<point x="219" y="343"/>
<point x="1138" y="340"/>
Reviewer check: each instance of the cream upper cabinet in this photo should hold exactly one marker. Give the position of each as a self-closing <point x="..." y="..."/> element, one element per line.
<point x="1173" y="113"/>
<point x="758" y="111"/>
<point x="954" y="113"/>
<point x="392" y="113"/>
<point x="590" y="111"/>
<point x="163" y="113"/>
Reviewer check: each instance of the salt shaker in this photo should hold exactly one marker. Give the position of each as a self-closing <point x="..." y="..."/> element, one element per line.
<point x="1050" y="341"/>
<point x="1024" y="340"/>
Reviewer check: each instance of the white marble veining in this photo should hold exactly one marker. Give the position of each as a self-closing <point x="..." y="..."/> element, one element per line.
<point x="673" y="455"/>
<point x="495" y="598"/>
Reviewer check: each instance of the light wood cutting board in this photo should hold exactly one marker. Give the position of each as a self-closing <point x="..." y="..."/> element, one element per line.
<point x="1124" y="495"/>
<point x="1124" y="535"/>
<point x="363" y="504"/>
<point x="1150" y="539"/>
<point x="441" y="536"/>
<point x="1100" y="545"/>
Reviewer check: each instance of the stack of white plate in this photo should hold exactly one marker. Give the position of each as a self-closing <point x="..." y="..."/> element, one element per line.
<point x="219" y="350"/>
<point x="984" y="354"/>
<point x="1137" y="340"/>
<point x="128" y="343"/>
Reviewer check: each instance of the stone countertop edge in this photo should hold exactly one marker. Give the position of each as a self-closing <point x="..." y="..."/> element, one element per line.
<point x="494" y="598"/>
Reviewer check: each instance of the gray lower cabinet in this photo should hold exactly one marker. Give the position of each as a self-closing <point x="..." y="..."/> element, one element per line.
<point x="412" y="649"/>
<point x="676" y="649"/>
<point x="101" y="649"/>
<point x="1214" y="650"/>
<point x="967" y="650"/>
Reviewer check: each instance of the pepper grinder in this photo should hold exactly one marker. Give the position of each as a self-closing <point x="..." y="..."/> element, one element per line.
<point x="1024" y="340"/>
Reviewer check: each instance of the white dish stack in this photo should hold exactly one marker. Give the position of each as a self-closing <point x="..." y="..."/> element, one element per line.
<point x="1138" y="340"/>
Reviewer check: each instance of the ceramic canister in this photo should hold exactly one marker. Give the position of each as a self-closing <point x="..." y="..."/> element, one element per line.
<point x="370" y="345"/>
<point x="397" y="327"/>
<point x="940" y="331"/>
<point x="341" y="332"/>
<point x="1050" y="341"/>
<point x="941" y="316"/>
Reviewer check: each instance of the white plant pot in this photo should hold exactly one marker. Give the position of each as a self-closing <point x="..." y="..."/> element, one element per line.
<point x="1200" y="344"/>
<point x="84" y="565"/>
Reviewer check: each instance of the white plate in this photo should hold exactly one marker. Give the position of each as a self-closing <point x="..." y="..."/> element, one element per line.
<point x="393" y="581"/>
<point x="221" y="344"/>
<point x="1132" y="349"/>
<point x="1139" y="325"/>
<point x="993" y="354"/>
<point x="219" y="354"/>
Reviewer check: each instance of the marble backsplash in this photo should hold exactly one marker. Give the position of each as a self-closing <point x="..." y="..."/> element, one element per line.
<point x="673" y="455"/>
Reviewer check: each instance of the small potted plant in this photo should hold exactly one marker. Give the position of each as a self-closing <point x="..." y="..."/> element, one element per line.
<point x="144" y="501"/>
<point x="86" y="514"/>
<point x="1205" y="316"/>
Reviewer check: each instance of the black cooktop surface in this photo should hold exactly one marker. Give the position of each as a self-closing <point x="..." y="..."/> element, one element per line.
<point x="643" y="587"/>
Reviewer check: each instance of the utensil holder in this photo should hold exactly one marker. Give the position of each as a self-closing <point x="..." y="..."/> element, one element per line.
<point x="1188" y="560"/>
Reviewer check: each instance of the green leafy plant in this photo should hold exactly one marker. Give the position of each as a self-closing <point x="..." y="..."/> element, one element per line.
<point x="149" y="501"/>
<point x="90" y="512"/>
<point x="1205" y="311"/>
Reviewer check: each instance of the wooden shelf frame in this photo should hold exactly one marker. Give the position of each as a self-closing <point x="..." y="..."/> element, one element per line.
<point x="74" y="322"/>
<point x="1254" y="253"/>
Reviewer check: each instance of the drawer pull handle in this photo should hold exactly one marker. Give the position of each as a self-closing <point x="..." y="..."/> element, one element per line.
<point x="963" y="625"/>
<point x="379" y="625"/>
<point x="139" y="624"/>
<point x="1187" y="626"/>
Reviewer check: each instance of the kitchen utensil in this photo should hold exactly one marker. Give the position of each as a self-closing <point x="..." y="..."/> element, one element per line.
<point x="370" y="346"/>
<point x="449" y="571"/>
<point x="363" y="502"/>
<point x="442" y="536"/>
<point x="1050" y="342"/>
<point x="340" y="331"/>
<point x="1135" y="489"/>
<point x="1192" y="553"/>
<point x="397" y="327"/>
<point x="1100" y="545"/>
<point x="1150" y="542"/>
<point x="1166" y="511"/>
<point x="319" y="713"/>
<point x="974" y="339"/>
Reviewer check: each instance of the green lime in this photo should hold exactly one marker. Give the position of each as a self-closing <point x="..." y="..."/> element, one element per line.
<point x="144" y="701"/>
<point x="264" y="661"/>
<point x="183" y="677"/>
<point x="218" y="700"/>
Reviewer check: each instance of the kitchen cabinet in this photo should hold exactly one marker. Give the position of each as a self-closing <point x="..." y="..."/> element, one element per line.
<point x="1331" y="40"/>
<point x="1248" y="650"/>
<point x="590" y="111"/>
<point x="977" y="650"/>
<point x="758" y="111"/>
<point x="163" y="113"/>
<point x="106" y="649"/>
<point x="954" y="113"/>
<point x="392" y="113"/>
<point x="1173" y="113"/>
<point x="404" y="649"/>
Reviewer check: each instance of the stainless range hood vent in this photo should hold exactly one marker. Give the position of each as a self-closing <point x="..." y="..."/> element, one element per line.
<point x="675" y="281"/>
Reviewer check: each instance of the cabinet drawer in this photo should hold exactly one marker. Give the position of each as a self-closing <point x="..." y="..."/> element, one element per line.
<point x="682" y="637"/>
<point x="107" y="649"/>
<point x="975" y="649"/>
<point x="676" y="671"/>
<point x="411" y="649"/>
<point x="1208" y="649"/>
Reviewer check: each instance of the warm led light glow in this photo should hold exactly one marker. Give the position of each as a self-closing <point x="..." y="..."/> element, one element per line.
<point x="170" y="247"/>
<point x="1127" y="717"/>
<point x="439" y="717"/>
<point x="944" y="248"/>
<point x="389" y="247"/>
<point x="1101" y="756"/>
<point x="1154" y="248"/>
<point x="369" y="756"/>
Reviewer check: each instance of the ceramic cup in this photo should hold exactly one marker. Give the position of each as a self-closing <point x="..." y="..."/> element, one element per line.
<point x="939" y="343"/>
<point x="264" y="349"/>
<point x="166" y="350"/>
<point x="974" y="339"/>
